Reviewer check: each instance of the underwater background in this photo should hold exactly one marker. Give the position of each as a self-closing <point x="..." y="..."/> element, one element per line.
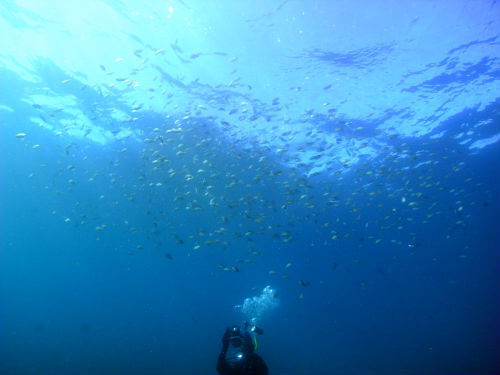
<point x="163" y="162"/>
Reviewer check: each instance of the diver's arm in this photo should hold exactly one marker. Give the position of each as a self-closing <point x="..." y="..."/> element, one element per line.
<point x="221" y="364"/>
<point x="222" y="367"/>
<point x="225" y="341"/>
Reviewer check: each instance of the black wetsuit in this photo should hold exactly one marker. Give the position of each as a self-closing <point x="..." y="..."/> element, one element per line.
<point x="251" y="364"/>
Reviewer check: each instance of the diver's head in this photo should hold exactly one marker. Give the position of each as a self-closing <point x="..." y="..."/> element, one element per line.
<point x="235" y="331"/>
<point x="235" y="336"/>
<point x="236" y="352"/>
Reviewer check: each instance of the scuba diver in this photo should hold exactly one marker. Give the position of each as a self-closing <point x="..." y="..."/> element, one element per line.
<point x="238" y="355"/>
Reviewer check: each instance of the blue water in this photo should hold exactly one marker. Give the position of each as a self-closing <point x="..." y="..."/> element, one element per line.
<point x="162" y="162"/>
